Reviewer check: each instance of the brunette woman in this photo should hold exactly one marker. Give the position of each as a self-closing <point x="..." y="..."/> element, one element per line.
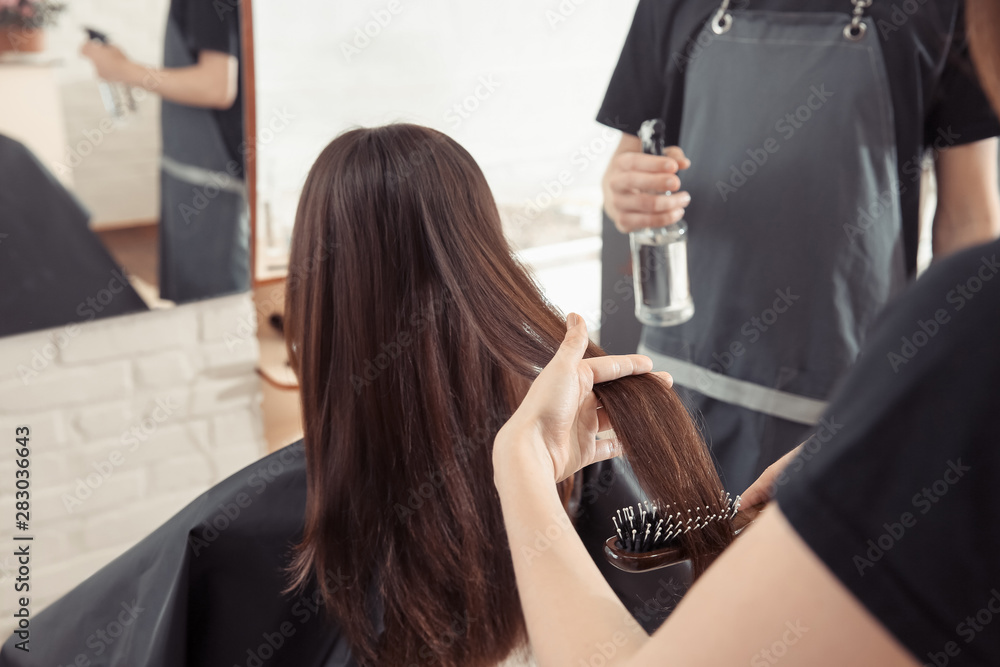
<point x="414" y="335"/>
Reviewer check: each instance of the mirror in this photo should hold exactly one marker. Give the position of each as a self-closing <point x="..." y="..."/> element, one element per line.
<point x="517" y="83"/>
<point x="122" y="169"/>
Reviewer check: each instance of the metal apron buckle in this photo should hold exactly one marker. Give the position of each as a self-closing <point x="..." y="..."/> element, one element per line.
<point x="723" y="20"/>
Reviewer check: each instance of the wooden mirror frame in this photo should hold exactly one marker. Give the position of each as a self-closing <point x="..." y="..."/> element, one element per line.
<point x="250" y="136"/>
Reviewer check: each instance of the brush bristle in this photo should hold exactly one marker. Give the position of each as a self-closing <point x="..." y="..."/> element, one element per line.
<point x="649" y="526"/>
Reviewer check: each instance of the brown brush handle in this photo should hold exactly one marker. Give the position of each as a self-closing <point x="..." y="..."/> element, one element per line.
<point x="629" y="561"/>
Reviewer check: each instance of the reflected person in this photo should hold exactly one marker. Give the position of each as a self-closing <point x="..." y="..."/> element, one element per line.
<point x="204" y="221"/>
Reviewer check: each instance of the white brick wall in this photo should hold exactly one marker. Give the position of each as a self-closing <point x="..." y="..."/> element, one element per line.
<point x="131" y="418"/>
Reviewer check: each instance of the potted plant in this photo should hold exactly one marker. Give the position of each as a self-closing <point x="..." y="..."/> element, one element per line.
<point x="22" y="23"/>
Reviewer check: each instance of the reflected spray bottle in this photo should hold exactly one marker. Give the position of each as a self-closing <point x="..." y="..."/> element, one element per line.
<point x="117" y="97"/>
<point x="659" y="258"/>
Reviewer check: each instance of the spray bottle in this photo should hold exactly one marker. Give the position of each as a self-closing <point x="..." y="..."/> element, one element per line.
<point x="659" y="258"/>
<point x="117" y="97"/>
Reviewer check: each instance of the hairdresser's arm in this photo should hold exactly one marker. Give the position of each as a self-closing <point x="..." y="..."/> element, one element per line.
<point x="767" y="596"/>
<point x="968" y="209"/>
<point x="211" y="83"/>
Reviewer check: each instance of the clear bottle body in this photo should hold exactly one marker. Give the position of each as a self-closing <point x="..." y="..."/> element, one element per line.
<point x="118" y="99"/>
<point x="660" y="272"/>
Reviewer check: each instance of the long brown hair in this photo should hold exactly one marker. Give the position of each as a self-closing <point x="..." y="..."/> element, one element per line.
<point x="415" y="333"/>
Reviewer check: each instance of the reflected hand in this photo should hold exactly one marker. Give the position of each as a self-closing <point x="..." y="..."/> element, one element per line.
<point x="560" y="417"/>
<point x="634" y="188"/>
<point x="111" y="63"/>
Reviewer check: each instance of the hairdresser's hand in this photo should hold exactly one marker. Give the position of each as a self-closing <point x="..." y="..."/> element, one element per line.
<point x="559" y="419"/>
<point x="634" y="186"/>
<point x="762" y="491"/>
<point x="111" y="63"/>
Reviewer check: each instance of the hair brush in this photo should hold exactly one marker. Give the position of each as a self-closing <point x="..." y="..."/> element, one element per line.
<point x="647" y="534"/>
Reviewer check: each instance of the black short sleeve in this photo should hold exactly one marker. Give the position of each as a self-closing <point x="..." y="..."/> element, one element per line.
<point x="212" y="26"/>
<point x="959" y="112"/>
<point x="638" y="86"/>
<point x="896" y="492"/>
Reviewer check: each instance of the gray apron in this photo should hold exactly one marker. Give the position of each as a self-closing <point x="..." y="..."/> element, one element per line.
<point x="795" y="225"/>
<point x="204" y="219"/>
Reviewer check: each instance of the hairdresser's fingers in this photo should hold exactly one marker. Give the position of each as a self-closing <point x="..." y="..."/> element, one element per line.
<point x="627" y="182"/>
<point x="589" y="419"/>
<point x="651" y="202"/>
<point x="557" y="388"/>
<point x="613" y="367"/>
<point x="677" y="154"/>
<point x="603" y="423"/>
<point x="574" y="344"/>
<point x="762" y="490"/>
<point x="606" y="448"/>
<point x="664" y="377"/>
<point x="591" y="423"/>
<point x="633" y="222"/>
<point x="636" y="161"/>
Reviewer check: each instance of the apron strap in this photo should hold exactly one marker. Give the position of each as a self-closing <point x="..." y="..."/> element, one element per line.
<point x="854" y="31"/>
<point x="749" y="395"/>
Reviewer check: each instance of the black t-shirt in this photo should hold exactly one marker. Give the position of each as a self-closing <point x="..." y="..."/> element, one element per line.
<point x="209" y="25"/>
<point x="935" y="93"/>
<point x="897" y="491"/>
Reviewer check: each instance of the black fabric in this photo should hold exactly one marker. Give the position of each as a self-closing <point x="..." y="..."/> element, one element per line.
<point x="54" y="269"/>
<point x="204" y="248"/>
<point x="897" y="493"/>
<point x="935" y="93"/>
<point x="209" y="582"/>
<point x="202" y="589"/>
<point x="214" y="25"/>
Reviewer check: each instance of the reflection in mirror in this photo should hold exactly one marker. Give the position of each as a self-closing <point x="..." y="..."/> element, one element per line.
<point x="516" y="83"/>
<point x="120" y="158"/>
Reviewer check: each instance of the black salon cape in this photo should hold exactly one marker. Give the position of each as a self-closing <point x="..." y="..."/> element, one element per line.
<point x="54" y="269"/>
<point x="205" y="587"/>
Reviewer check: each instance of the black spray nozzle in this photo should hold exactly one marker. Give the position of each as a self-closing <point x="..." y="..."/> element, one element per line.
<point x="96" y="35"/>
<point x="652" y="132"/>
